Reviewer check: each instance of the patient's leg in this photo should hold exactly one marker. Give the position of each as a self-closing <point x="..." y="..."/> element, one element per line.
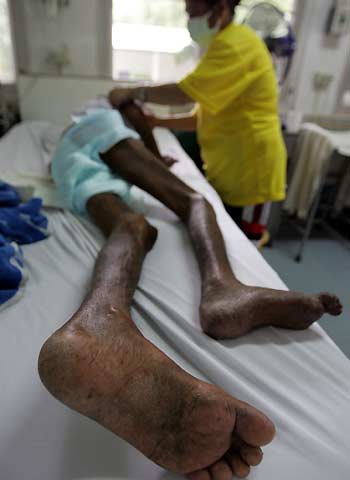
<point x="99" y="364"/>
<point x="228" y="309"/>
<point x="134" y="115"/>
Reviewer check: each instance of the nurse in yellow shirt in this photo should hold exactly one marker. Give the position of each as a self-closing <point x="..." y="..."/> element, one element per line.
<point x="237" y="122"/>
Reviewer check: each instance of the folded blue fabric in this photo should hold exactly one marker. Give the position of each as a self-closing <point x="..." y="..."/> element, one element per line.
<point x="8" y="196"/>
<point x="11" y="270"/>
<point x="20" y="224"/>
<point x="23" y="224"/>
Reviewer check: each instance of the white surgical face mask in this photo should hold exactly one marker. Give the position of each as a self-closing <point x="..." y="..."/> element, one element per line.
<point x="199" y="30"/>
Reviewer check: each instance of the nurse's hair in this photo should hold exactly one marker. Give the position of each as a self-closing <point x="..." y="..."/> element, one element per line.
<point x="231" y="3"/>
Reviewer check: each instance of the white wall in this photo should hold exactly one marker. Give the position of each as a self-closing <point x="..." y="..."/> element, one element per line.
<point x="343" y="105"/>
<point x="53" y="98"/>
<point x="317" y="52"/>
<point x="9" y="94"/>
<point x="159" y="67"/>
<point x="85" y="27"/>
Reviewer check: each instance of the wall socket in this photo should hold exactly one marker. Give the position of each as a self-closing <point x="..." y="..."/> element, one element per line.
<point x="322" y="81"/>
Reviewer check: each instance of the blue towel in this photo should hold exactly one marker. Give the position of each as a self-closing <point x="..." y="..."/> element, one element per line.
<point x="12" y="275"/>
<point x="20" y="224"/>
<point x="24" y="223"/>
<point x="8" y="196"/>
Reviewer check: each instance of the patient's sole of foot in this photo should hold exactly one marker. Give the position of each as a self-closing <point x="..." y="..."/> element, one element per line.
<point x="124" y="383"/>
<point x="231" y="309"/>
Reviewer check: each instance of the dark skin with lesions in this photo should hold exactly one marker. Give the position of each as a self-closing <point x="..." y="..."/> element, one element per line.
<point x="135" y="118"/>
<point x="228" y="308"/>
<point x="100" y="365"/>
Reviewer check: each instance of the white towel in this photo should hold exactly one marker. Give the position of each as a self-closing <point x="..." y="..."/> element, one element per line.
<point x="29" y="186"/>
<point x="313" y="154"/>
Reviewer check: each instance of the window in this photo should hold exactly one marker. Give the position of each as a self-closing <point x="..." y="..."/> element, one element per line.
<point x="7" y="68"/>
<point x="151" y="41"/>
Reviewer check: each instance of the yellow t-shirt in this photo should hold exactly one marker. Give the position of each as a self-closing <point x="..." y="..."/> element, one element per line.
<point x="238" y="125"/>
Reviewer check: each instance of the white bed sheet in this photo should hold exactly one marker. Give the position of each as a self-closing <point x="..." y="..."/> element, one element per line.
<point x="300" y="379"/>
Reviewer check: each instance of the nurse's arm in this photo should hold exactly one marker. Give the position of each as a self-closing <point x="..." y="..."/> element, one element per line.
<point x="169" y="94"/>
<point x="185" y="123"/>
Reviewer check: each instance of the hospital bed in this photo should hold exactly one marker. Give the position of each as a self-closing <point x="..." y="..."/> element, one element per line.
<point x="300" y="379"/>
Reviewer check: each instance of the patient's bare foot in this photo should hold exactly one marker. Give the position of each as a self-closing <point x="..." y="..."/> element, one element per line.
<point x="230" y="309"/>
<point x="123" y="382"/>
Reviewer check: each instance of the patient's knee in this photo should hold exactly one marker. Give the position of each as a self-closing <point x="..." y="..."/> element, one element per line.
<point x="141" y="229"/>
<point x="109" y="212"/>
<point x="119" y="154"/>
<point x="197" y="198"/>
<point x="132" y="112"/>
<point x="197" y="205"/>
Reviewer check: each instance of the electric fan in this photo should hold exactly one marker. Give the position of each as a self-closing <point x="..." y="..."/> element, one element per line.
<point x="274" y="27"/>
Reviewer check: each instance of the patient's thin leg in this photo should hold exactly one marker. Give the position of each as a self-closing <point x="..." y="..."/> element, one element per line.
<point x="135" y="116"/>
<point x="100" y="365"/>
<point x="228" y="309"/>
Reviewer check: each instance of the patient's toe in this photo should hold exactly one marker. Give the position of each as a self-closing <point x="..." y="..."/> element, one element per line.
<point x="221" y="471"/>
<point x="331" y="304"/>
<point x="239" y="467"/>
<point x="201" y="475"/>
<point x="251" y="455"/>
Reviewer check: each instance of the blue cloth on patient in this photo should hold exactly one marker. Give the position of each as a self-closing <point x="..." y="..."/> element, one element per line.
<point x="77" y="168"/>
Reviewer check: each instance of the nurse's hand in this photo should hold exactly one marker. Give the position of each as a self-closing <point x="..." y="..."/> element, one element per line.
<point x="118" y="96"/>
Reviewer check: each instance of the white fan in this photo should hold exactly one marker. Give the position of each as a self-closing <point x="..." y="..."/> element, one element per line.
<point x="274" y="27"/>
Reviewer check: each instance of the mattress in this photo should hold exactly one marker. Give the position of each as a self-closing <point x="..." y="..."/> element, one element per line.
<point x="300" y="379"/>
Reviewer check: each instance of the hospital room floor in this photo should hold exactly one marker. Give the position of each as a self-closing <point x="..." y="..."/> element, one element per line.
<point x="325" y="267"/>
